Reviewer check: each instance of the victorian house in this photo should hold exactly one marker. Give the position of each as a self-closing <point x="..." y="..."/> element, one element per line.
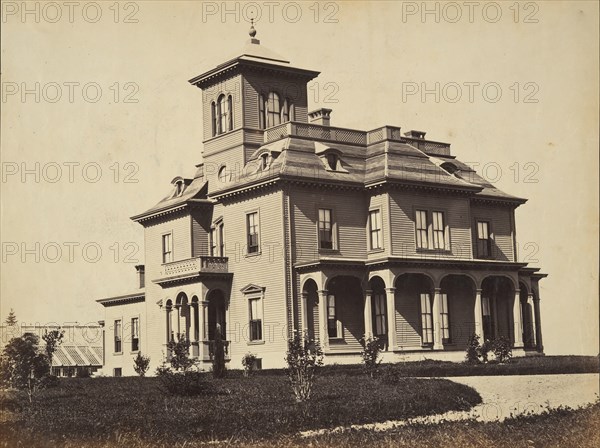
<point x="291" y="224"/>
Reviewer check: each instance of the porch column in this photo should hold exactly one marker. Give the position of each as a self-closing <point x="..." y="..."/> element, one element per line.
<point x="538" y="324"/>
<point x="437" y="324"/>
<point x="478" y="314"/>
<point x="368" y="314"/>
<point x="518" y="320"/>
<point x="304" y="313"/>
<point x="194" y="322"/>
<point x="532" y="326"/>
<point x="390" y="294"/>
<point x="323" y="335"/>
<point x="168" y="311"/>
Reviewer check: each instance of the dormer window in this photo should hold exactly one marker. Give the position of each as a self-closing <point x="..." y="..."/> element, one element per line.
<point x="222" y="116"/>
<point x="264" y="161"/>
<point x="449" y="167"/>
<point x="274" y="110"/>
<point x="332" y="161"/>
<point x="179" y="188"/>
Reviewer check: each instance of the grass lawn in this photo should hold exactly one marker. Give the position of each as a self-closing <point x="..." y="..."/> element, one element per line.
<point x="133" y="412"/>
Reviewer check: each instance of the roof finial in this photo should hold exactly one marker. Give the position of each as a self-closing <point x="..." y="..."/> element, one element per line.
<point x="252" y="30"/>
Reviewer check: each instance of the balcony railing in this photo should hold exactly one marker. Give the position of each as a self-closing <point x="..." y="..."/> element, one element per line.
<point x="195" y="265"/>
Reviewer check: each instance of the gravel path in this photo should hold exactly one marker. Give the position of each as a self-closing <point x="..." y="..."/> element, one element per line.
<point x="505" y="396"/>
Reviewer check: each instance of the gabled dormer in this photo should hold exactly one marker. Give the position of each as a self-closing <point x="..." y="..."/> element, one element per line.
<point x="251" y="92"/>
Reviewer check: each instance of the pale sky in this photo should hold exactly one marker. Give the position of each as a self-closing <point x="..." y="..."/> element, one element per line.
<point x="375" y="59"/>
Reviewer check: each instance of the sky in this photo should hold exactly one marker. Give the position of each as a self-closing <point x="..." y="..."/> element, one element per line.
<point x="98" y="117"/>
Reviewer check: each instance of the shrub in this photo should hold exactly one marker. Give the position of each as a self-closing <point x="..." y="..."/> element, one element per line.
<point x="184" y="383"/>
<point x="389" y="375"/>
<point x="141" y="364"/>
<point x="304" y="356"/>
<point x="370" y="355"/>
<point x="248" y="361"/>
<point x="218" y="361"/>
<point x="180" y="353"/>
<point x="473" y="350"/>
<point x="485" y="349"/>
<point x="502" y="349"/>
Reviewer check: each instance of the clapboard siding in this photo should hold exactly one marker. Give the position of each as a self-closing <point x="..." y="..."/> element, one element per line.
<point x="349" y="214"/>
<point x="501" y="227"/>
<point x="123" y="360"/>
<point x="201" y="222"/>
<point x="232" y="159"/>
<point x="265" y="270"/>
<point x="408" y="321"/>
<point x="456" y="214"/>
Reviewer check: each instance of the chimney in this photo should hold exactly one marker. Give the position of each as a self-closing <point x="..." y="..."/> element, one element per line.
<point x="415" y="134"/>
<point x="141" y="275"/>
<point x="320" y="116"/>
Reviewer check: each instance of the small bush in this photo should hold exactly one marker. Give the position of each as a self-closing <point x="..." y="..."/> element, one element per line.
<point x="141" y="364"/>
<point x="180" y="353"/>
<point x="248" y="361"/>
<point x="502" y="350"/>
<point x="370" y="355"/>
<point x="304" y="356"/>
<point x="473" y="350"/>
<point x="184" y="383"/>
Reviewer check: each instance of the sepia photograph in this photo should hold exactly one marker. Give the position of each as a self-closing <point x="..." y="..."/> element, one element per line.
<point x="299" y="223"/>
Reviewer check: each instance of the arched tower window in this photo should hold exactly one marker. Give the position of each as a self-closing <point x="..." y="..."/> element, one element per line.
<point x="223" y="114"/>
<point x="230" y="106"/>
<point x="213" y="117"/>
<point x="273" y="110"/>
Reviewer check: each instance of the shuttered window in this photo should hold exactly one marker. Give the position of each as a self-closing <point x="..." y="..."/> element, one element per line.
<point x="375" y="229"/>
<point x="439" y="240"/>
<point x="252" y="226"/>
<point x="421" y="226"/>
<point x="426" y="320"/>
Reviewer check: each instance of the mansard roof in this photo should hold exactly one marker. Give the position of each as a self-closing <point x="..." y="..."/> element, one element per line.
<point x="397" y="161"/>
<point x="193" y="193"/>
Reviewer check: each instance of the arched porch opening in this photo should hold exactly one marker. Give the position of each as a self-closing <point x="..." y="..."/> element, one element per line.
<point x="310" y="296"/>
<point x="414" y="310"/>
<point x="379" y="311"/>
<point x="217" y="313"/>
<point x="528" y="316"/>
<point x="456" y="307"/>
<point x="183" y="316"/>
<point x="497" y="303"/>
<point x="344" y="312"/>
<point x="170" y="336"/>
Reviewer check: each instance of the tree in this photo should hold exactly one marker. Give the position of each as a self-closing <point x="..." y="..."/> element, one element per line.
<point x="53" y="339"/>
<point x="24" y="367"/>
<point x="180" y="353"/>
<point x="11" y="319"/>
<point x="141" y="364"/>
<point x="304" y="356"/>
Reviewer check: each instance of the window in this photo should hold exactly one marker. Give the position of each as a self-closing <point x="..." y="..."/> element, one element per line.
<point x="445" y="318"/>
<point x="438" y="230"/>
<point x="224" y="175"/>
<point x="325" y="229"/>
<point x="332" y="161"/>
<point x="426" y="319"/>
<point x="252" y="226"/>
<point x="135" y="334"/>
<point x="223" y="115"/>
<point x="379" y="307"/>
<point x="256" y="318"/>
<point x="167" y="248"/>
<point x="273" y="110"/>
<point x="375" y="229"/>
<point x="214" y="118"/>
<point x="488" y="325"/>
<point x="117" y="328"/>
<point x="332" y="322"/>
<point x="264" y="161"/>
<point x="484" y="241"/>
<point x="213" y="241"/>
<point x="117" y="371"/>
<point x="421" y="225"/>
<point x="217" y="239"/>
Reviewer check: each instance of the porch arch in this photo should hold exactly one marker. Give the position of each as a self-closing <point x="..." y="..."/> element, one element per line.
<point x="342" y="308"/>
<point x="497" y="306"/>
<point x="457" y="309"/>
<point x="310" y="308"/>
<point x="413" y="302"/>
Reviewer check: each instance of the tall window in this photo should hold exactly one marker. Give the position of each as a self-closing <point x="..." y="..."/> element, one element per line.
<point x="426" y="319"/>
<point x="379" y="307"/>
<point x="484" y="242"/>
<point x="256" y="319"/>
<point x="273" y="110"/>
<point x="223" y="115"/>
<point x="375" y="229"/>
<point x="421" y="226"/>
<point x="325" y="229"/>
<point x="332" y="321"/>
<point x="214" y="119"/>
<point x="167" y="248"/>
<point x="445" y="318"/>
<point x="135" y="334"/>
<point x="439" y="241"/>
<point x="488" y="324"/>
<point x="213" y="241"/>
<point x="118" y="336"/>
<point x="252" y="227"/>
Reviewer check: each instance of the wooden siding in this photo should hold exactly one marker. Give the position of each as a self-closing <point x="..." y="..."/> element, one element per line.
<point x="501" y="228"/>
<point x="456" y="215"/>
<point x="408" y="320"/>
<point x="232" y="158"/>
<point x="349" y="215"/>
<point x="201" y="222"/>
<point x="461" y="306"/>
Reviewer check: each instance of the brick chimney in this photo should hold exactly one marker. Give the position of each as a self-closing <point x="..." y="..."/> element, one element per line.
<point x="141" y="275"/>
<point x="415" y="134"/>
<point x="320" y="116"/>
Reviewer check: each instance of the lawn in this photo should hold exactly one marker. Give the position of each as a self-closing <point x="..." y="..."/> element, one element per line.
<point x="134" y="412"/>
